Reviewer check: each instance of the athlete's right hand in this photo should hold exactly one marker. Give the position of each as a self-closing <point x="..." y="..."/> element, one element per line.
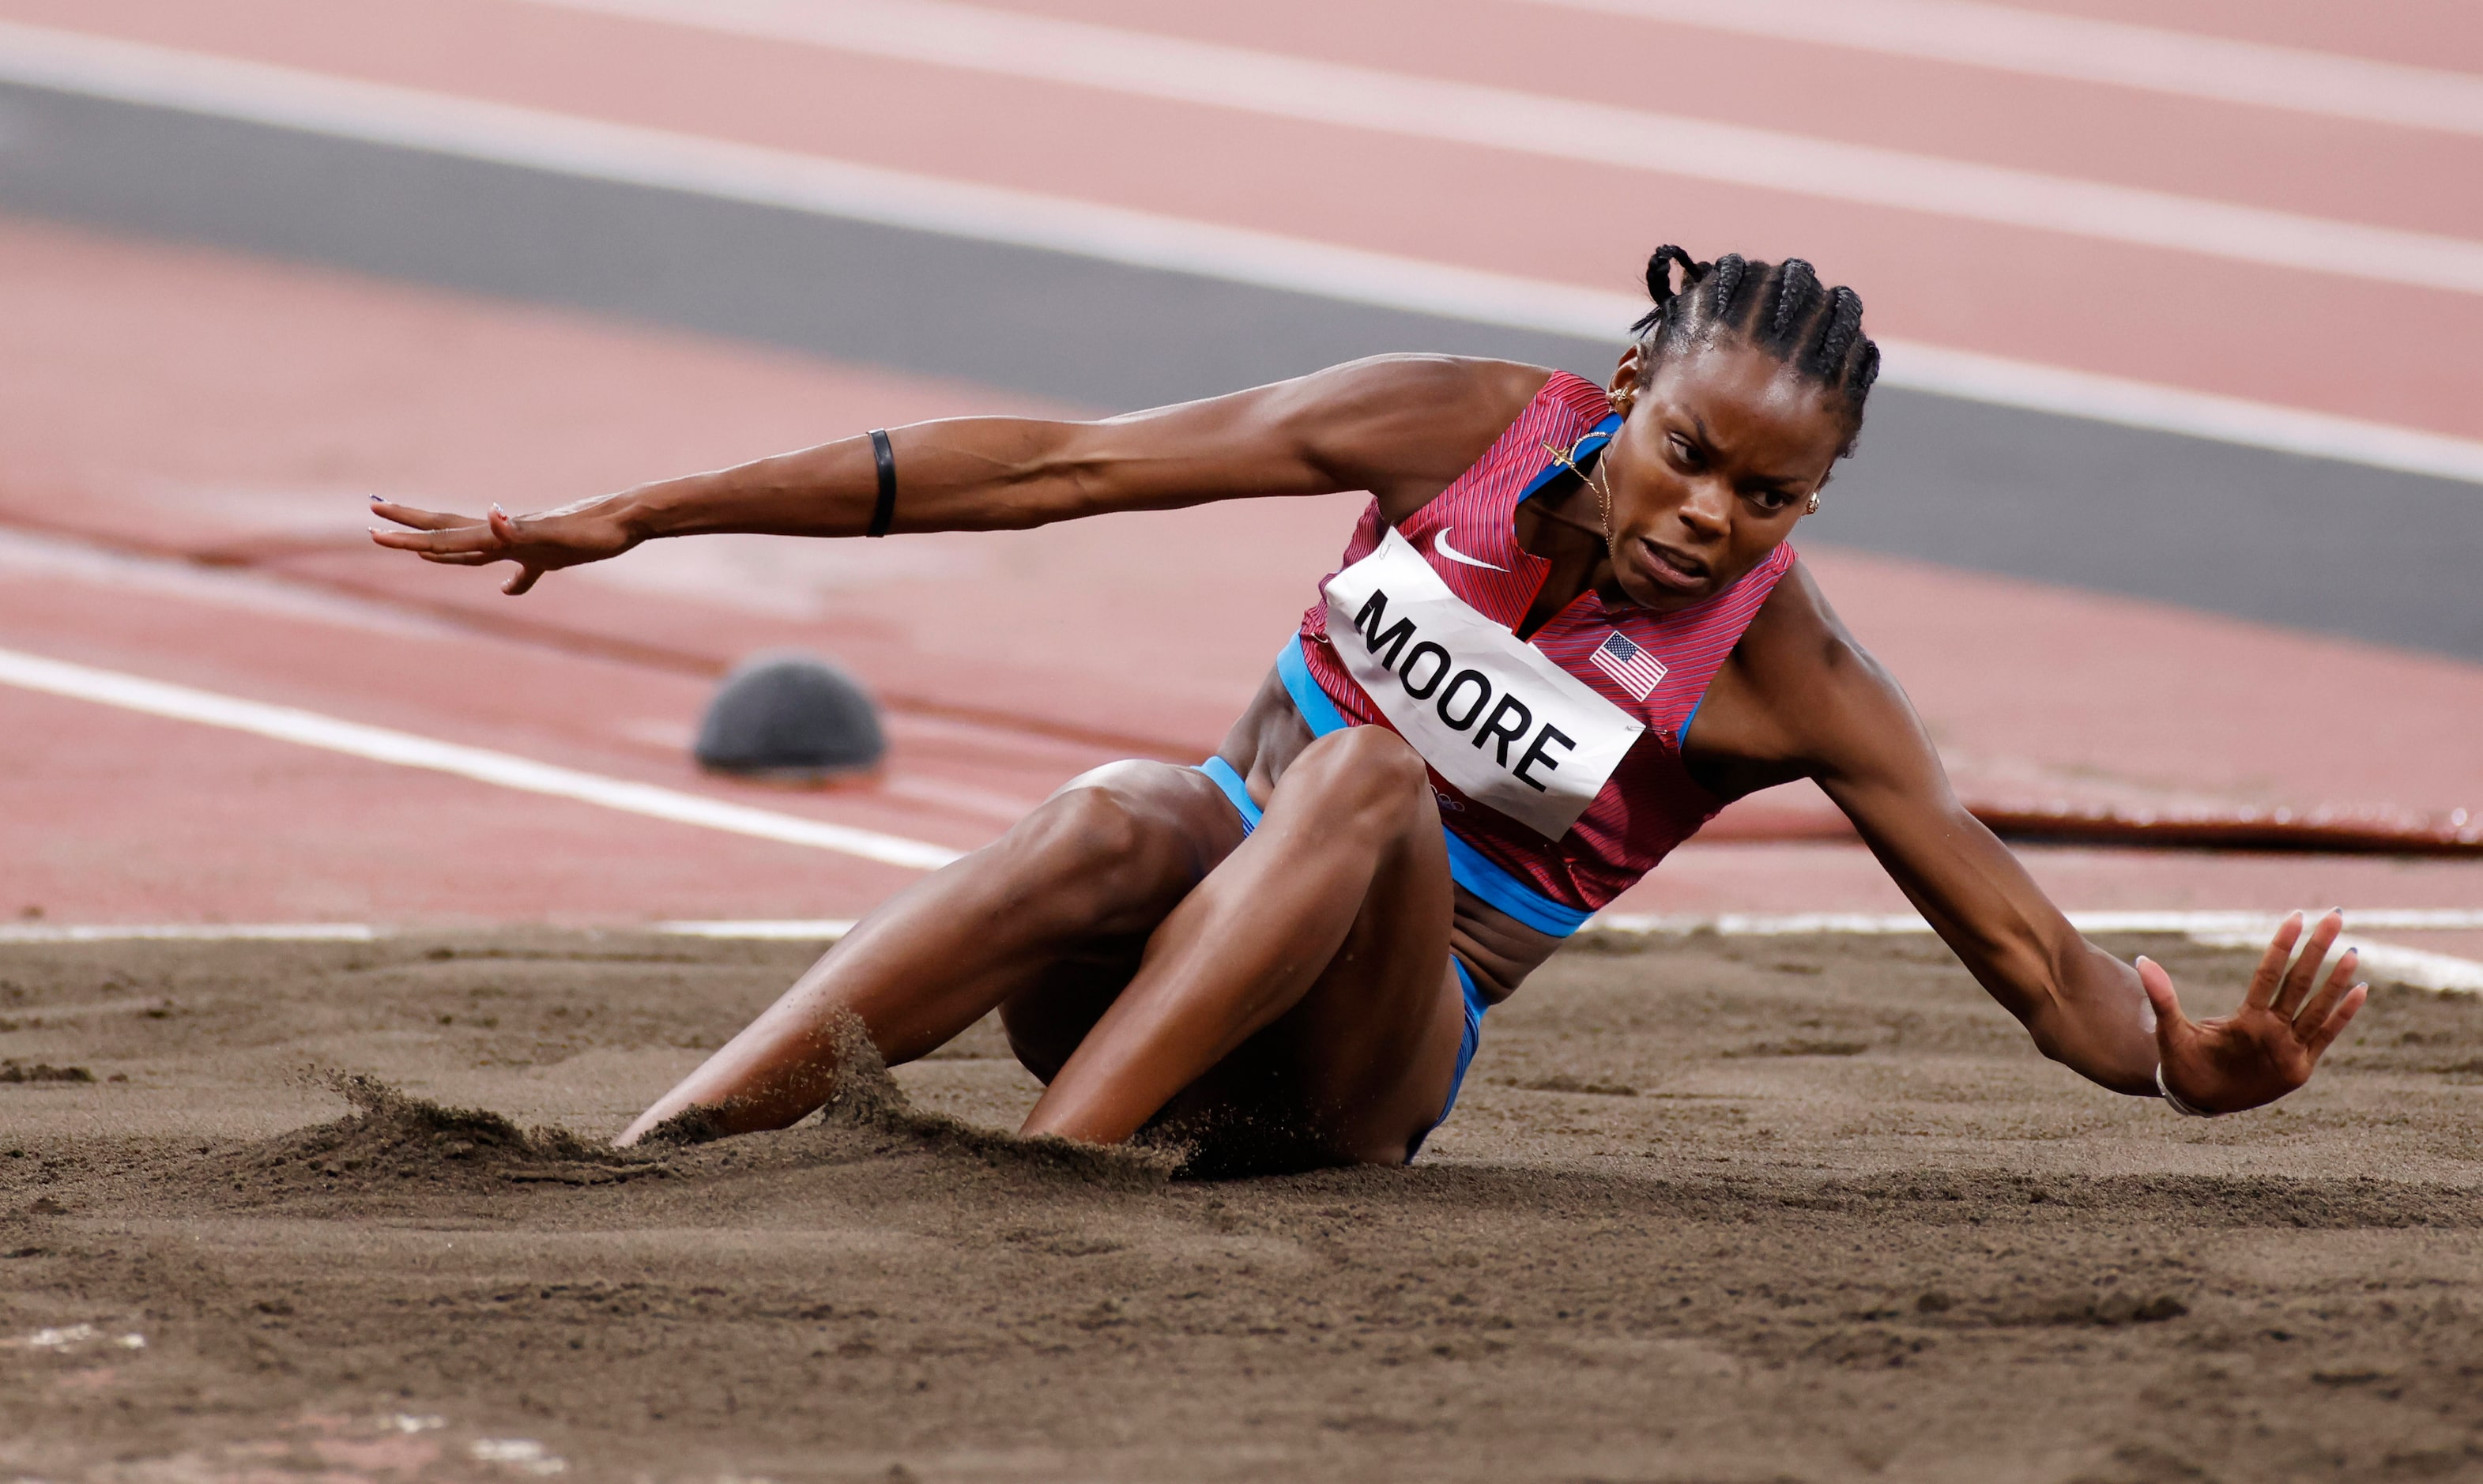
<point x="572" y="536"/>
<point x="2267" y="1047"/>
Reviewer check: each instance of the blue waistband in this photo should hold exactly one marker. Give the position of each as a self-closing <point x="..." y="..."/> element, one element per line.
<point x="1319" y="712"/>
<point x="1479" y="874"/>
<point x="1468" y="866"/>
<point x="1230" y="781"/>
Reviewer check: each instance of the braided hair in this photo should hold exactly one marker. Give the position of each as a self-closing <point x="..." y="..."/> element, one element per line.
<point x="1780" y="308"/>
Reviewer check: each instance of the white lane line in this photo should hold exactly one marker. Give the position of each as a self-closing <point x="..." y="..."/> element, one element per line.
<point x="2078" y="49"/>
<point x="2001" y="381"/>
<point x="26" y="555"/>
<point x="405" y="749"/>
<point x="531" y="138"/>
<point x="1175" y="70"/>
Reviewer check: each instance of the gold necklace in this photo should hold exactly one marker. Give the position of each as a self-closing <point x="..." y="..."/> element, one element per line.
<point x="1601" y="486"/>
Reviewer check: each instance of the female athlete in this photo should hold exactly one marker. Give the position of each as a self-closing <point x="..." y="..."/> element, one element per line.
<point x="1566" y="632"/>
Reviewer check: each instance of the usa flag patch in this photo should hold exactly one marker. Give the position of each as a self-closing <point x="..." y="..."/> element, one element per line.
<point x="1637" y="671"/>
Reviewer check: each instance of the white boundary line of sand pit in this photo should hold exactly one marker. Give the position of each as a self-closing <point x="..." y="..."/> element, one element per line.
<point x="2418" y="967"/>
<point x="190" y="932"/>
<point x="791" y="930"/>
<point x="2403" y="920"/>
<point x="825" y="930"/>
<point x="502" y="770"/>
<point x="591" y="149"/>
<point x="2415" y="967"/>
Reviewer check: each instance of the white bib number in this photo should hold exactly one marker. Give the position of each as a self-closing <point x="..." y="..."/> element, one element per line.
<point x="1512" y="729"/>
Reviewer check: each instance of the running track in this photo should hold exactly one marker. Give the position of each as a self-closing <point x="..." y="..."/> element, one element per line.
<point x="225" y="321"/>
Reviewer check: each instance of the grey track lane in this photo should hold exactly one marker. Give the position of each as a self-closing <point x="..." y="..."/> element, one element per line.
<point x="2328" y="546"/>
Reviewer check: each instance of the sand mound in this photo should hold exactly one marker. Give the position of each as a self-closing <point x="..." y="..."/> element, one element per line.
<point x="13" y="1071"/>
<point x="869" y="1105"/>
<point x="392" y="1138"/>
<point x="868" y="1115"/>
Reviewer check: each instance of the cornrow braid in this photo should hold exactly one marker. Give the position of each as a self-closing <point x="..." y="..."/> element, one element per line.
<point x="1838" y="328"/>
<point x="1865" y="371"/>
<point x="1778" y="307"/>
<point x="1658" y="283"/>
<point x="1797" y="298"/>
<point x="1731" y="269"/>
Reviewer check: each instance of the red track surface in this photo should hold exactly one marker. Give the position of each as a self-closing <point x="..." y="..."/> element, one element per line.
<point x="191" y="408"/>
<point x="272" y="399"/>
<point x="2422" y="32"/>
<point x="2157" y="315"/>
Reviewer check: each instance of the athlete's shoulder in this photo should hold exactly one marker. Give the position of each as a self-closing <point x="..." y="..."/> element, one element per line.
<point x="1798" y="691"/>
<point x="1796" y="636"/>
<point x="1404" y="426"/>
<point x="1460" y="388"/>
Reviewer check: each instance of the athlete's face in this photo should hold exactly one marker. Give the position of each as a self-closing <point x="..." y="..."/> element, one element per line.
<point x="1711" y="470"/>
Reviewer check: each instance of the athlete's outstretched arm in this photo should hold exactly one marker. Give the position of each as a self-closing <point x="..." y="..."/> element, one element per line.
<point x="1399" y="426"/>
<point x="1809" y="698"/>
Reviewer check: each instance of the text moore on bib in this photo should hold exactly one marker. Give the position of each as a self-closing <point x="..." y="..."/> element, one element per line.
<point x="1491" y="714"/>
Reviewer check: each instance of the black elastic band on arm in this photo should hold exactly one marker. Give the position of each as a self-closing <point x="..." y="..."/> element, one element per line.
<point x="885" y="511"/>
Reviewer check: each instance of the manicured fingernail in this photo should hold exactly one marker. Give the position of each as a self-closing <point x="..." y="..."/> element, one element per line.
<point x="374" y="499"/>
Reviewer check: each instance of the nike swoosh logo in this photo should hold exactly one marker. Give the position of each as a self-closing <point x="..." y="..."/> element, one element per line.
<point x="1440" y="544"/>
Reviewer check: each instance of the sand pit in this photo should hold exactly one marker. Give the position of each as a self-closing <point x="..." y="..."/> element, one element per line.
<point x="1721" y="1210"/>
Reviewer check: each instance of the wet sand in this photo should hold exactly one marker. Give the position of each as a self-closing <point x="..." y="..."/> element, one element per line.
<point x="1722" y="1209"/>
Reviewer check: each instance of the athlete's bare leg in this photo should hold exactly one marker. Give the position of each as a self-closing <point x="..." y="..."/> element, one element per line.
<point x="1309" y="970"/>
<point x="1099" y="863"/>
<point x="1306" y="977"/>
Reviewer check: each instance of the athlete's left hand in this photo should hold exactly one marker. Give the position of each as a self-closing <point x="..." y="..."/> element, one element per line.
<point x="2267" y="1049"/>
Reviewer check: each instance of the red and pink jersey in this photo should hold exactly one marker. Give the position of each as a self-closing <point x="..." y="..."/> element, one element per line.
<point x="1654" y="667"/>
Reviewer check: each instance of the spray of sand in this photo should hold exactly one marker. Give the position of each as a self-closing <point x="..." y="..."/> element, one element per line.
<point x="394" y="1136"/>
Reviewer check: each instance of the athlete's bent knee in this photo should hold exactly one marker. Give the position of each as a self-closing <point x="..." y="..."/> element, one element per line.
<point x="1363" y="770"/>
<point x="1100" y="854"/>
